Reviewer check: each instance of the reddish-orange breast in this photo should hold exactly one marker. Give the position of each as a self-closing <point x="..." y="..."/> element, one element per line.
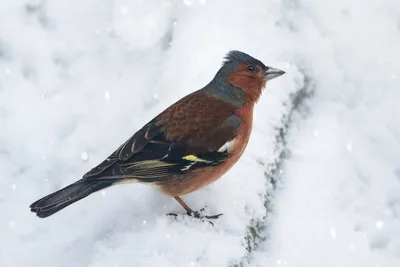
<point x="197" y="179"/>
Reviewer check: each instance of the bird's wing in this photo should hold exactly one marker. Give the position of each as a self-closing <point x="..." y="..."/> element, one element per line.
<point x="188" y="135"/>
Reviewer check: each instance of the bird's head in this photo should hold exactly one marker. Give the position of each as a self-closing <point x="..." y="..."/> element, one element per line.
<point x="246" y="75"/>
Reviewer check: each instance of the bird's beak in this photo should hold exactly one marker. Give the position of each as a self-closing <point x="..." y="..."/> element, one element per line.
<point x="272" y="73"/>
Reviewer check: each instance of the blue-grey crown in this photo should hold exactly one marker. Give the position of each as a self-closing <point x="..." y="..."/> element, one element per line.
<point x="235" y="56"/>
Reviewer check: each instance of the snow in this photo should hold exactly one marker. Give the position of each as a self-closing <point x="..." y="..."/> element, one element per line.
<point x="77" y="78"/>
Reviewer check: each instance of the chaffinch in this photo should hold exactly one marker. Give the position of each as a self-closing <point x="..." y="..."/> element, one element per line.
<point x="187" y="146"/>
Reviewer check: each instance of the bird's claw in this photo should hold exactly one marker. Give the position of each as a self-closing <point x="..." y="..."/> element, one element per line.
<point x="198" y="215"/>
<point x="213" y="217"/>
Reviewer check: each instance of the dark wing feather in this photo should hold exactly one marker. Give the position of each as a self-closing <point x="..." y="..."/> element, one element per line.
<point x="186" y="136"/>
<point x="137" y="143"/>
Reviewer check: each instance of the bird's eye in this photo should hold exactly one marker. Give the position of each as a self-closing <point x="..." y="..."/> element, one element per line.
<point x="251" y="68"/>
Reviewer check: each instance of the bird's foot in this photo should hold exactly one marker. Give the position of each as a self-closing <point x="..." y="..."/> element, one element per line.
<point x="199" y="215"/>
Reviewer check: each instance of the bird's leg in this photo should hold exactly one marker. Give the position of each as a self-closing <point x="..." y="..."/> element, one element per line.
<point x="193" y="213"/>
<point x="189" y="211"/>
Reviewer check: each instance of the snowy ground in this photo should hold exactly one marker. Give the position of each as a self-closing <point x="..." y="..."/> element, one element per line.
<point x="78" y="77"/>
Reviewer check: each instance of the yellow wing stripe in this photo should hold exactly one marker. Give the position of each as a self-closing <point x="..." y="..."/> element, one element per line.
<point x="195" y="159"/>
<point x="152" y="169"/>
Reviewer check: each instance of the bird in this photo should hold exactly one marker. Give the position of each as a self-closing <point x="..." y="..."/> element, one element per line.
<point x="186" y="147"/>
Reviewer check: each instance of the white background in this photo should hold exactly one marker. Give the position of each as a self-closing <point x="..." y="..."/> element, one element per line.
<point x="77" y="78"/>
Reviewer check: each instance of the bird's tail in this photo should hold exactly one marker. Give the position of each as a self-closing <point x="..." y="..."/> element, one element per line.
<point x="64" y="197"/>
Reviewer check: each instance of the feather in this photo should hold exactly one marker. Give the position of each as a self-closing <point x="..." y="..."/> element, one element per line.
<point x="180" y="139"/>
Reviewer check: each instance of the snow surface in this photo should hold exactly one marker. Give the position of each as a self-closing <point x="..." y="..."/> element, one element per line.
<point x="79" y="77"/>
